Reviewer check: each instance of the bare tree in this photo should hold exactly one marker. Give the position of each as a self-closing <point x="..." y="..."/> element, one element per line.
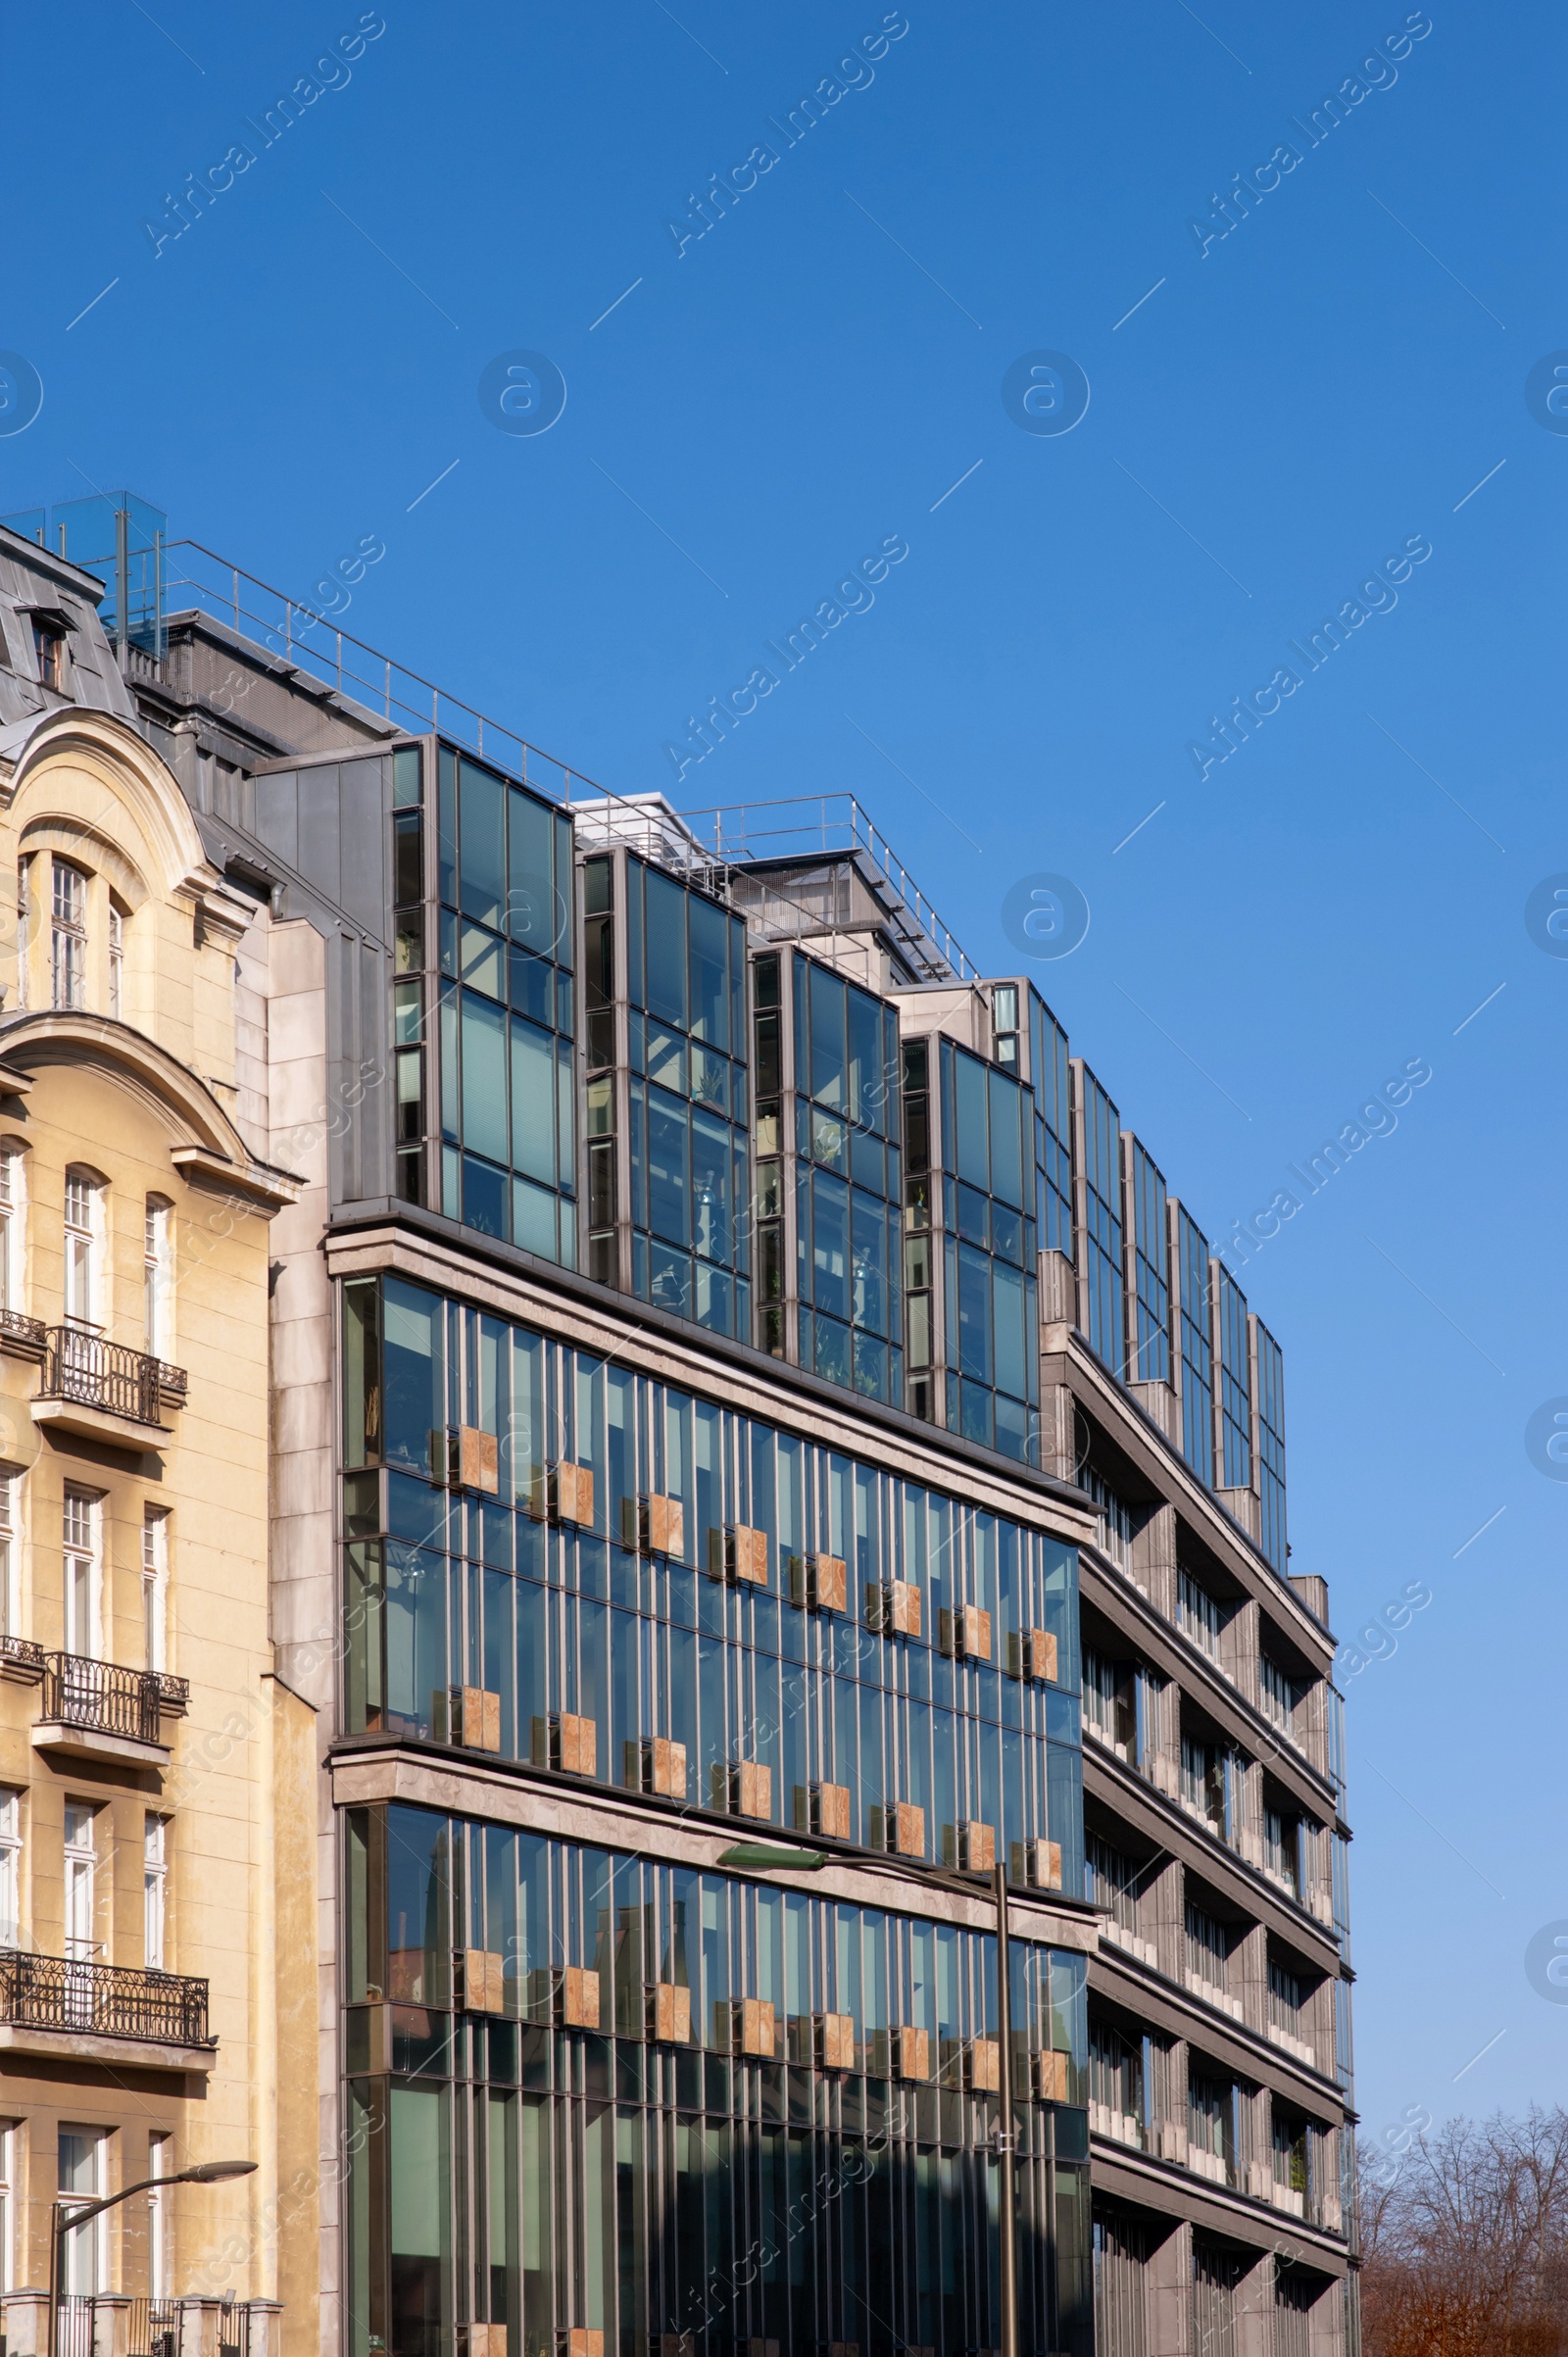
<point x="1465" y="2241"/>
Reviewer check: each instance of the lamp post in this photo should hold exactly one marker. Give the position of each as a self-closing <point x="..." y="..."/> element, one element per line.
<point x="204" y="2173"/>
<point x="761" y="1856"/>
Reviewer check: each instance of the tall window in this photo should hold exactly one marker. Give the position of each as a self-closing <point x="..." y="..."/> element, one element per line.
<point x="1271" y="1445"/>
<point x="1278" y="1691"/>
<point x="69" y="935"/>
<point x="24" y="928"/>
<point x="81" y="1867"/>
<point x="1198" y="1614"/>
<point x="1101" y="1172"/>
<point x="81" y="2173"/>
<point x="11" y="1218"/>
<point x="49" y="648"/>
<point x="1110" y="1708"/>
<point x="1197" y="1356"/>
<point x="82" y="1522"/>
<point x="155" y="1588"/>
<point x="10" y="1869"/>
<point x="1116" y="1517"/>
<point x="116" y="963"/>
<point x="1208" y="1948"/>
<point x="8" y="2206"/>
<point x="154" y="1887"/>
<point x="9" y="1555"/>
<point x="1282" y="1850"/>
<point x="160" y="2164"/>
<point x="82" y="1286"/>
<point x="1148" y="1361"/>
<point x="1235" y="1384"/>
<point x="158" y="1276"/>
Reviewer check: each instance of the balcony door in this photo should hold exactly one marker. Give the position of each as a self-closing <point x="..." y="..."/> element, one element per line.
<point x="80" y="1562"/>
<point x="81" y="1869"/>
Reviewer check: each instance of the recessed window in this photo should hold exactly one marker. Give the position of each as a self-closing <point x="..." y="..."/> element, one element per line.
<point x="158" y="1276"/>
<point x="116" y="963"/>
<point x="154" y="1884"/>
<point x="83" y="1222"/>
<point x="69" y="935"/>
<point x="49" y="651"/>
<point x="80" y="1557"/>
<point x="155" y="1587"/>
<point x="10" y="1869"/>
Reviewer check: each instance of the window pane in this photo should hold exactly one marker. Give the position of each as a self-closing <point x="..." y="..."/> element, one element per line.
<point x="484" y="1078"/>
<point x="830" y="1244"/>
<point x="665" y="948"/>
<point x="669" y="1171"/>
<point x="532" y="914"/>
<point x="481" y="833"/>
<point x="710" y="981"/>
<point x="533" y="1101"/>
<point x="827" y="1038"/>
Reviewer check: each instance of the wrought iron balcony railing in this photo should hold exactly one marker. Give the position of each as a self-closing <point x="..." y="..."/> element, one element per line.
<point x="108" y="1699"/>
<point x="106" y="2000"/>
<point x="84" y="1369"/>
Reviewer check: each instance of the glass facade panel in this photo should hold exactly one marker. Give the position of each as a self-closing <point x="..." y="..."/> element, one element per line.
<point x="1271" y="1445"/>
<point x="1100" y="1133"/>
<point x="505" y="956"/>
<point x="1235" y="1382"/>
<point x="447" y="1593"/>
<point x="632" y="2133"/>
<point x="1148" y="1361"/>
<point x="1198" y="1353"/>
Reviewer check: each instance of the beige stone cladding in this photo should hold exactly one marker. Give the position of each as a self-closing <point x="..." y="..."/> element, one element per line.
<point x="157" y="1804"/>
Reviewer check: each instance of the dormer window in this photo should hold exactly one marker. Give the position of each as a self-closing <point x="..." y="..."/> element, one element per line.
<point x="49" y="651"/>
<point x="68" y="948"/>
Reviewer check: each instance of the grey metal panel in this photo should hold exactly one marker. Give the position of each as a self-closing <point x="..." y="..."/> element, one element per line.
<point x="318" y="829"/>
<point x="278" y="814"/>
<point x="376" y="1112"/>
<point x="363" y="833"/>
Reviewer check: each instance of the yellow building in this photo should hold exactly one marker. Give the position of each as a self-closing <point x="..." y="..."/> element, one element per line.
<point x="157" y="1859"/>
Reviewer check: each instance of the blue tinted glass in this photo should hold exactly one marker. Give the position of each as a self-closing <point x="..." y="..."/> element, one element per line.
<point x="668" y="1166"/>
<point x="972" y="1161"/>
<point x="827" y="1039"/>
<point x="974" y="1314"/>
<point x="830" y="1244"/>
<point x="484" y="1078"/>
<point x="484" y="1198"/>
<point x="533" y="1101"/>
<point x="710" y="973"/>
<point x="1006" y="1139"/>
<point x="666" y="948"/>
<point x="870" y="1240"/>
<point x="535" y="911"/>
<point x="711" y="1184"/>
<point x="482" y="843"/>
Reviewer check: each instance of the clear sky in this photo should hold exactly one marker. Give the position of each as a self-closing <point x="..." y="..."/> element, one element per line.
<point x="1285" y="409"/>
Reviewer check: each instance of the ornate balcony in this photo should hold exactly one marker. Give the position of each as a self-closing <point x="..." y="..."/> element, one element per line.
<point x="62" y="2005"/>
<point x="103" y="1391"/>
<point x="101" y="1711"/>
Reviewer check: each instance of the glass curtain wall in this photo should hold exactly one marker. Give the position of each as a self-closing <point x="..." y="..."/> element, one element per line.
<point x="585" y="1652"/>
<point x="509" y="1163"/>
<point x="551" y="2149"/>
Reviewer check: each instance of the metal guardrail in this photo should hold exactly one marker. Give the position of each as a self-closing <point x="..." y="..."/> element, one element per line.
<point x="108" y="1699"/>
<point x="106" y="2000"/>
<point x="22" y="1328"/>
<point x="81" y="1366"/>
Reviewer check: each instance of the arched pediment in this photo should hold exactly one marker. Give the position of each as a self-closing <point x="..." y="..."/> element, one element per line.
<point x="188" y="1107"/>
<point x="142" y="835"/>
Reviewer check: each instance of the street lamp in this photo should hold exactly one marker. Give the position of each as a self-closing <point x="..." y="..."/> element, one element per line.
<point x="760" y="1858"/>
<point x="203" y="2172"/>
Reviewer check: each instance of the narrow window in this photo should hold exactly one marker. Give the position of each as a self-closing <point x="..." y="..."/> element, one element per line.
<point x="49" y="648"/>
<point x="154" y="1885"/>
<point x="69" y="936"/>
<point x="9" y="1555"/>
<point x="8" y="2212"/>
<point x="82" y="1574"/>
<point x="116" y="963"/>
<point x="155" y="1587"/>
<point x="160" y="2164"/>
<point x="82" y="1866"/>
<point x="82" y="1286"/>
<point x="23" y="929"/>
<point x="81" y="2176"/>
<point x="158" y="1277"/>
<point x="10" y="1870"/>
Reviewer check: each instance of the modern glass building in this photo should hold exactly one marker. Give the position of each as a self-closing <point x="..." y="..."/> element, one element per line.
<point x="758" y="1449"/>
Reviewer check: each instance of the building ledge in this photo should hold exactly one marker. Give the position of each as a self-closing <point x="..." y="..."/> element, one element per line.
<point x="94" y="2046"/>
<point x="97" y="1743"/>
<point x="80" y="1421"/>
<point x="257" y="1183"/>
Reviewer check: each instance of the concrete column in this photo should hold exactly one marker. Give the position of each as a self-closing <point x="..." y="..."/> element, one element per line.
<point x="265" y="2328"/>
<point x="1153" y="1560"/>
<point x="1255" y="2309"/>
<point x="1255" y="2157"/>
<point x="1058" y="1449"/>
<point x="1238" y="1650"/>
<point x="1162" y="1918"/>
<point x="25" y="2320"/>
<point x="111" y="2324"/>
<point x="1249" y="1976"/>
<point x="1170" y="2295"/>
<point x="1169" y="2126"/>
<point x="198" y="2324"/>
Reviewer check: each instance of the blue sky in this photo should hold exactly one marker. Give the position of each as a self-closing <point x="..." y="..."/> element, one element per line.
<point x="1286" y="408"/>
